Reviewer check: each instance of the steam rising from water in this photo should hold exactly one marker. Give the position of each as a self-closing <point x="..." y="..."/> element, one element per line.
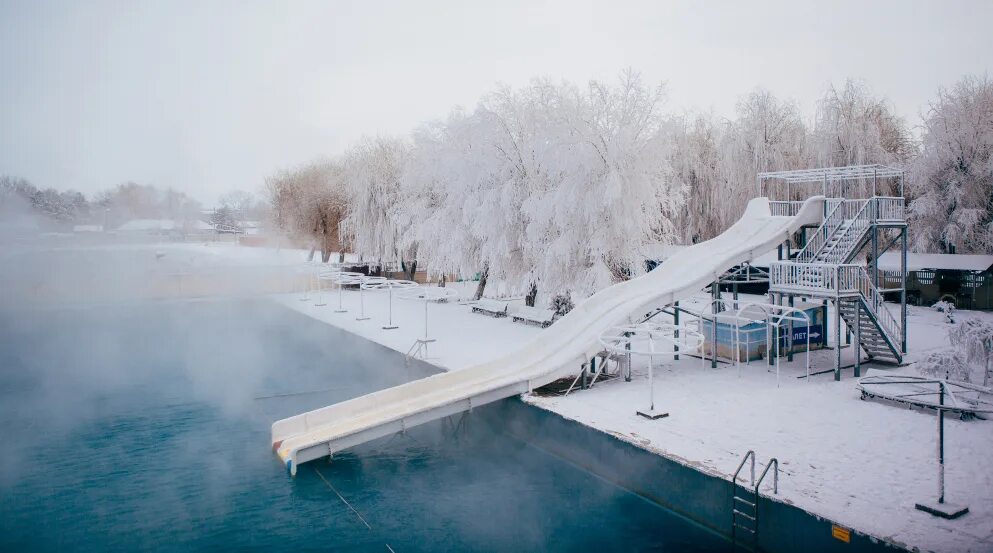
<point x="145" y="425"/>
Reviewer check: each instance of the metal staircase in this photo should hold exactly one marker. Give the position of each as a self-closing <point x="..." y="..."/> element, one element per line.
<point x="823" y="269"/>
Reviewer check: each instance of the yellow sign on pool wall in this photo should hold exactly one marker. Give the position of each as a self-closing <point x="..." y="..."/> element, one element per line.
<point x="842" y="534"/>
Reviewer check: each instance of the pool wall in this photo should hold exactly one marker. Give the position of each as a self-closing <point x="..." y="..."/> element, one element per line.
<point x="677" y="485"/>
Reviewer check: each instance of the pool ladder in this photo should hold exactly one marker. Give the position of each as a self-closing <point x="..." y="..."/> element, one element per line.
<point x="745" y="509"/>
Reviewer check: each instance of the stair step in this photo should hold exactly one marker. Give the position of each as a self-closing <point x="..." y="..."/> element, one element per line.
<point x="745" y="528"/>
<point x="745" y="501"/>
<point x="746" y="515"/>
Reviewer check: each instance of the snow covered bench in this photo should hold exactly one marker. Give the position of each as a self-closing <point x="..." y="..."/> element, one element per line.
<point x="494" y="308"/>
<point x="534" y="315"/>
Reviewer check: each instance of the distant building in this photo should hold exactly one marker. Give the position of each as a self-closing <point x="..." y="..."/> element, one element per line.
<point x="965" y="280"/>
<point x="148" y="225"/>
<point x="87" y="228"/>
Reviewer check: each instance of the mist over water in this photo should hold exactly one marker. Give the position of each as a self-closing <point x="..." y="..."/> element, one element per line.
<point x="144" y="425"/>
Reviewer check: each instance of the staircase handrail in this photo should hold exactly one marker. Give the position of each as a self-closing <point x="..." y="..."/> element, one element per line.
<point x="875" y="302"/>
<point x="820" y="237"/>
<point x="840" y="280"/>
<point x="874" y="209"/>
<point x="860" y="221"/>
<point x="831" y="223"/>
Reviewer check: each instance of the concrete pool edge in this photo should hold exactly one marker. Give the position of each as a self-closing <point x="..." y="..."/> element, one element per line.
<point x="690" y="491"/>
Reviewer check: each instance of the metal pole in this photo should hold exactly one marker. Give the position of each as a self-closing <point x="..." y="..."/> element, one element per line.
<point x="858" y="338"/>
<point x="361" y="316"/>
<point x="770" y="346"/>
<point x="627" y="346"/>
<point x="875" y="255"/>
<point x="941" y="442"/>
<point x="903" y="287"/>
<point x="789" y="352"/>
<point x="651" y="372"/>
<point x="675" y="318"/>
<point x="837" y="333"/>
<point x="716" y="292"/>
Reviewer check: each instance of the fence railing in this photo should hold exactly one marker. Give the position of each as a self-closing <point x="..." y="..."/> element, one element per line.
<point x="839" y="212"/>
<point x="785" y="209"/>
<point x="836" y="280"/>
<point x="874" y="300"/>
<point x="889" y="209"/>
<point x="858" y="215"/>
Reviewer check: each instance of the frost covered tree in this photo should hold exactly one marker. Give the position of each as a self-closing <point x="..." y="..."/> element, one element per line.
<point x="548" y="185"/>
<point x="719" y="160"/>
<point x="605" y="188"/>
<point x="954" y="174"/>
<point x="374" y="173"/>
<point x="974" y="339"/>
<point x="224" y="219"/>
<point x="450" y="165"/>
<point x="310" y="202"/>
<point x="945" y="365"/>
<point x="696" y="157"/>
<point x="853" y="127"/>
<point x="767" y="134"/>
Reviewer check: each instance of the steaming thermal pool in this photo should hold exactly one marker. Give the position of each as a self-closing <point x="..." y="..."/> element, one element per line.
<point x="146" y="426"/>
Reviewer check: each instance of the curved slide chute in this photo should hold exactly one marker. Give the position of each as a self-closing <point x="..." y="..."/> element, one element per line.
<point x="554" y="353"/>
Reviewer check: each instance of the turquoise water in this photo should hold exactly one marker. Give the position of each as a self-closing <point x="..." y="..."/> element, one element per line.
<point x="146" y="427"/>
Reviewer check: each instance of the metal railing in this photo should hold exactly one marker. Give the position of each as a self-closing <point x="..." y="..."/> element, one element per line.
<point x="889" y="209"/>
<point x="785" y="209"/>
<point x="748" y="456"/>
<point x="852" y="217"/>
<point x="836" y="280"/>
<point x="839" y="211"/>
<point x="775" y="478"/>
<point x="813" y="277"/>
<point x="874" y="301"/>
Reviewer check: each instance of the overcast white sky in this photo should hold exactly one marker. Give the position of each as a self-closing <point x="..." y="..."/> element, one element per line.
<point x="211" y="96"/>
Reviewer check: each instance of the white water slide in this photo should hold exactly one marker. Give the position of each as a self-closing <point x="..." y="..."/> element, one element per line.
<point x="555" y="352"/>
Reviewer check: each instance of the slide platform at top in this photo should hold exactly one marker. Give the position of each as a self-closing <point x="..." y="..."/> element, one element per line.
<point x="555" y="352"/>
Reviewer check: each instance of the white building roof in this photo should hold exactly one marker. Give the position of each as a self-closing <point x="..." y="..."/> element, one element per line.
<point x="890" y="261"/>
<point x="87" y="228"/>
<point x="147" y="225"/>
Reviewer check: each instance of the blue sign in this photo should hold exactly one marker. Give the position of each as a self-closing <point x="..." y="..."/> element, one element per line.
<point x="800" y="335"/>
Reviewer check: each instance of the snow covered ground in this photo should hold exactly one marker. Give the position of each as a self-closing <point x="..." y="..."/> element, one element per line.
<point x="463" y="338"/>
<point x="860" y="463"/>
